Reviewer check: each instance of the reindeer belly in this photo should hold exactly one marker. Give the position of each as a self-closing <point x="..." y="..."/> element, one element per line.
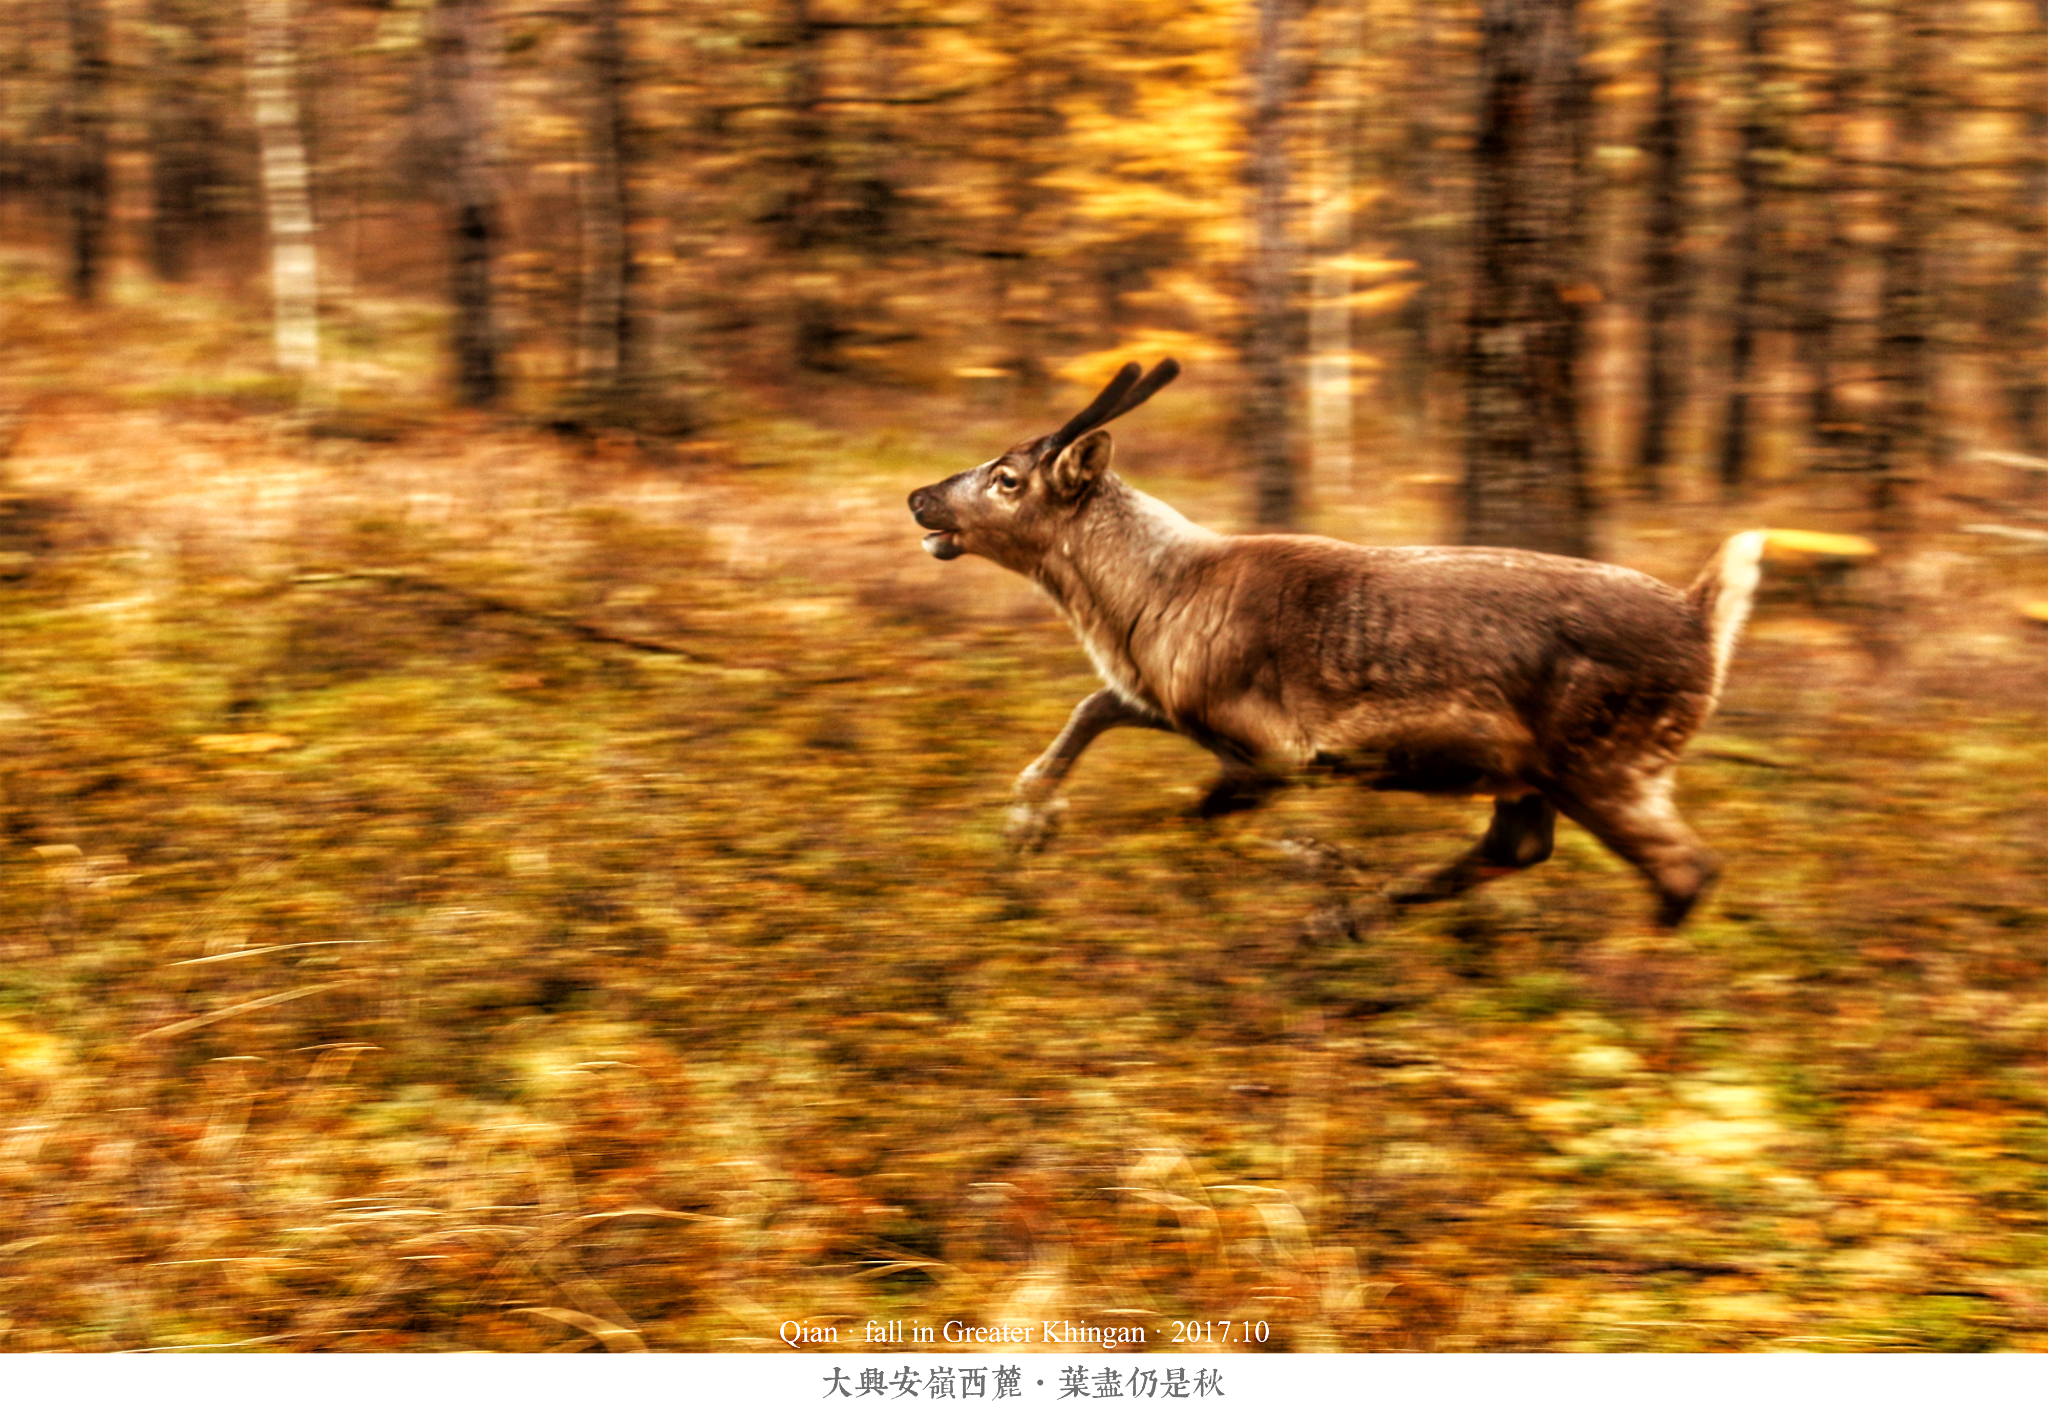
<point x="1433" y="749"/>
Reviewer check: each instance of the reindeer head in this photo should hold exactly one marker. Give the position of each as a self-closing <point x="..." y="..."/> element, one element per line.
<point x="1007" y="509"/>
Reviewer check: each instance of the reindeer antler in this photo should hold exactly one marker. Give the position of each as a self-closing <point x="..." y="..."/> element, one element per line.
<point x="1124" y="393"/>
<point x="1162" y="376"/>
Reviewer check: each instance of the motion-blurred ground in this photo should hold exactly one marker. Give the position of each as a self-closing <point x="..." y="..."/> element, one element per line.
<point x="644" y="998"/>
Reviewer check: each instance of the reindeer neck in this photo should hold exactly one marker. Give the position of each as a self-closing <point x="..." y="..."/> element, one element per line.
<point x="1122" y="559"/>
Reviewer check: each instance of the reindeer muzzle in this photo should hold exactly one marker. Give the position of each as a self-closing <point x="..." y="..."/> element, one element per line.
<point x="943" y="542"/>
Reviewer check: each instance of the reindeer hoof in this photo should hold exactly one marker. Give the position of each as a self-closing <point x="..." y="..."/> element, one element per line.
<point x="1032" y="826"/>
<point x="1354" y="919"/>
<point x="1332" y="923"/>
<point x="1312" y="859"/>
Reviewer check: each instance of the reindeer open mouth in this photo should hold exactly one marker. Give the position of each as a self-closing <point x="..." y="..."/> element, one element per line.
<point x="943" y="542"/>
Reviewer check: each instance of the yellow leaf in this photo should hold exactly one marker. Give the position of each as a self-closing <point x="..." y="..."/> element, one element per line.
<point x="29" y="1053"/>
<point x="245" y="743"/>
<point x="1144" y="347"/>
<point x="1799" y="544"/>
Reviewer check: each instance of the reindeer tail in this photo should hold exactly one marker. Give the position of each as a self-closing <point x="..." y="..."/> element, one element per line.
<point x="1723" y="593"/>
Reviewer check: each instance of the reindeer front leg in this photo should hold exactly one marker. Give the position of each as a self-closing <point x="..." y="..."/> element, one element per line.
<point x="1035" y="812"/>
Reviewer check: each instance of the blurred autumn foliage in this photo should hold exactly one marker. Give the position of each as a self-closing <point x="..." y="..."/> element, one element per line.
<point x="499" y="823"/>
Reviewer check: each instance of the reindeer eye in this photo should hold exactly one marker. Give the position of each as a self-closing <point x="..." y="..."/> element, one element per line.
<point x="1006" y="480"/>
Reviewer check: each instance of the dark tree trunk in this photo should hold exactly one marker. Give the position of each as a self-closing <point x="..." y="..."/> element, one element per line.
<point x="89" y="180"/>
<point x="460" y="58"/>
<point x="613" y="362"/>
<point x="1822" y="245"/>
<point x="1331" y="393"/>
<point x="810" y="155"/>
<point x="818" y="330"/>
<point x="1752" y="136"/>
<point x="2020" y="320"/>
<point x="180" y="141"/>
<point x="1421" y="314"/>
<point x="1905" y="325"/>
<point x="474" y="337"/>
<point x="1026" y="120"/>
<point x="1525" y="480"/>
<point x="1270" y="341"/>
<point x="1667" y="288"/>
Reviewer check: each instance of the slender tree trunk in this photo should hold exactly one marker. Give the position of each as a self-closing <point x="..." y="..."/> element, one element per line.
<point x="287" y="201"/>
<point x="1021" y="125"/>
<point x="1752" y="135"/>
<point x="818" y="330"/>
<point x="1824" y="251"/>
<point x="90" y="183"/>
<point x="2024" y="307"/>
<point x="461" y="78"/>
<point x="1904" y="443"/>
<point x="1525" y="482"/>
<point x="178" y="141"/>
<point x="613" y="356"/>
<point x="1329" y="375"/>
<point x="1421" y="314"/>
<point x="1666" y="274"/>
<point x="1269" y="343"/>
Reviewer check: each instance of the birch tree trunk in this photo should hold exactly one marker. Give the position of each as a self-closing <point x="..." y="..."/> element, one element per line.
<point x="1330" y="358"/>
<point x="287" y="201"/>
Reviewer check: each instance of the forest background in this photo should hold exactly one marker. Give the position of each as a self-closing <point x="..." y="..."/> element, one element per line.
<point x="499" y="823"/>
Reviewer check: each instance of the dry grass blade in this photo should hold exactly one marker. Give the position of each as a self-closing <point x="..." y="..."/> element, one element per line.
<point x="548" y="1239"/>
<point x="485" y="602"/>
<point x="271" y="948"/>
<point x="22" y="1246"/>
<point x="615" y="1338"/>
<point x="26" y="1140"/>
<point x="2032" y="537"/>
<point x="2010" y="459"/>
<point x="327" y="1070"/>
<point x="204" y="1347"/>
<point x="533" y="1250"/>
<point x="207" y="1019"/>
<point x="588" y="1295"/>
<point x="260" y="1261"/>
<point x="887" y="1267"/>
<point x="574" y="1227"/>
<point x="903" y="1261"/>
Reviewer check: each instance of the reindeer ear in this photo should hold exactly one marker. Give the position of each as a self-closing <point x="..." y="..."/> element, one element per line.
<point x="1081" y="464"/>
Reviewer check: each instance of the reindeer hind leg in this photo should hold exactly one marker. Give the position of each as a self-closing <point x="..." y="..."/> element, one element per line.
<point x="1521" y="835"/>
<point x="1237" y="789"/>
<point x="1637" y="820"/>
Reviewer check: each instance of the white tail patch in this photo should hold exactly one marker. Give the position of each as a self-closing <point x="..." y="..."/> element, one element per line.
<point x="1730" y="581"/>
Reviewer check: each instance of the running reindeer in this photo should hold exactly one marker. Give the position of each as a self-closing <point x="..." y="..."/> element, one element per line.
<point x="1552" y="684"/>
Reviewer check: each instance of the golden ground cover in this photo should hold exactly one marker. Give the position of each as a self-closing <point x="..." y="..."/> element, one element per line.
<point x="399" y="950"/>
